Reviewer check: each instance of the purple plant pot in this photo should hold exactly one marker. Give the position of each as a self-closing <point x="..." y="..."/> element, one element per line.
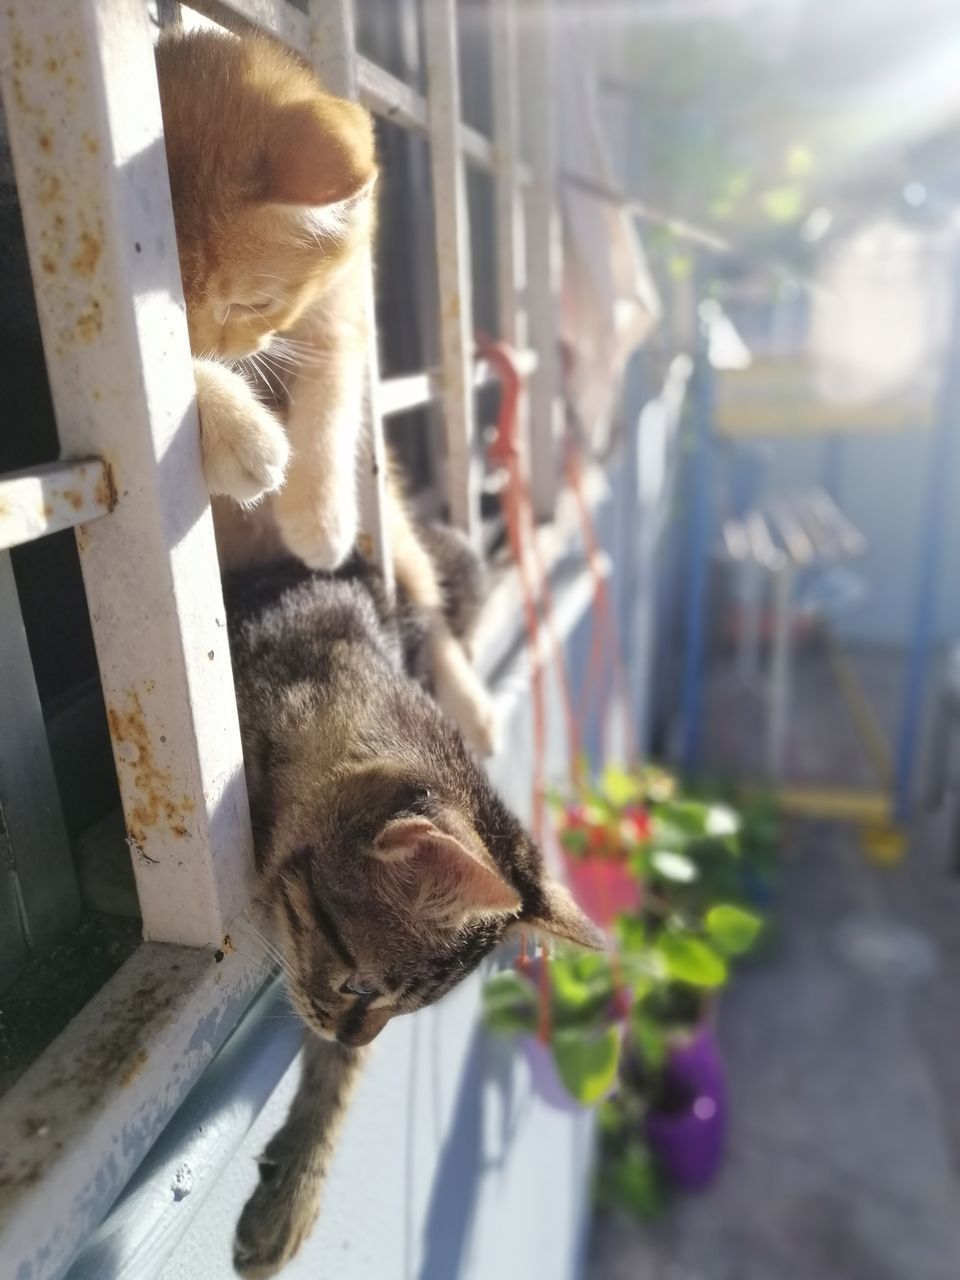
<point x="689" y="1137"/>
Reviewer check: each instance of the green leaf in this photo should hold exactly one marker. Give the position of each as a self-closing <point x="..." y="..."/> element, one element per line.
<point x="510" y="1004"/>
<point x="673" y="866"/>
<point x="582" y="987"/>
<point x="633" y="1183"/>
<point x="631" y="934"/>
<point x="732" y="929"/>
<point x="691" y="960"/>
<point x="587" y="1064"/>
<point x="574" y="839"/>
<point x="649" y="1036"/>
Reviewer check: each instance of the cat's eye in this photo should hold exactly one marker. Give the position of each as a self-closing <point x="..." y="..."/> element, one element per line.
<point x="258" y="308"/>
<point x="359" y="985"/>
<point x="420" y="799"/>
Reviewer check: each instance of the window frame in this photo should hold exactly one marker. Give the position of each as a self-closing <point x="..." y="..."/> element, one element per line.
<point x="82" y="109"/>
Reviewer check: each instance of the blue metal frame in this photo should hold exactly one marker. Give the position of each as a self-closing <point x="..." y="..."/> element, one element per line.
<point x="699" y="534"/>
<point x="941" y="469"/>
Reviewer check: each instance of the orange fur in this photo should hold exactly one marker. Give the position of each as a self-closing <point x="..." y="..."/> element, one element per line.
<point x="272" y="180"/>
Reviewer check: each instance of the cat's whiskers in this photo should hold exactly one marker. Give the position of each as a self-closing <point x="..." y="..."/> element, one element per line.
<point x="270" y="948"/>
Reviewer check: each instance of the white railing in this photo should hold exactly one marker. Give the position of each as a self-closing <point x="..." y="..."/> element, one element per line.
<point x="83" y="114"/>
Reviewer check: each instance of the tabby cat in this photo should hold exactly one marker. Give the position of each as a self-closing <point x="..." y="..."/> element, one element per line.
<point x="272" y="181"/>
<point x="392" y="865"/>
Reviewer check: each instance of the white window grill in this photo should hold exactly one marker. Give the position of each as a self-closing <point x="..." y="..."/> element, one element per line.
<point x="83" y="114"/>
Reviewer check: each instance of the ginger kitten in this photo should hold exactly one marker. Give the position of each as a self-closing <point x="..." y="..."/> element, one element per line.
<point x="273" y="180"/>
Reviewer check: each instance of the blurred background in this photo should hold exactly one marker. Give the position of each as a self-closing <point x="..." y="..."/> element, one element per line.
<point x="791" y="169"/>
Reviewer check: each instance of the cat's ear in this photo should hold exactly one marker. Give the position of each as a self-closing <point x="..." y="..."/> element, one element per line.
<point x="437" y="878"/>
<point x="561" y="918"/>
<point x="322" y="154"/>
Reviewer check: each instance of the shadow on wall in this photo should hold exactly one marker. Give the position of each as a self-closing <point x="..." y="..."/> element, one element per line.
<point x="462" y="1164"/>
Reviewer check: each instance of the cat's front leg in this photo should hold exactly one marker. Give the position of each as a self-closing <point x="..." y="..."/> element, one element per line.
<point x="283" y="1208"/>
<point x="245" y="449"/>
<point x="317" y="511"/>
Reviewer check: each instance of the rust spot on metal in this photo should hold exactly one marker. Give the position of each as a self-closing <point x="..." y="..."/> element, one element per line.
<point x="84" y="261"/>
<point x="47" y="511"/>
<point x="52" y="65"/>
<point x="45" y="141"/>
<point x="83" y="538"/>
<point x="106" y="490"/>
<point x="91" y="143"/>
<point x="150" y="801"/>
<point x="48" y="264"/>
<point x="74" y="498"/>
<point x="90" y="322"/>
<point x="49" y="189"/>
<point x="134" y="1067"/>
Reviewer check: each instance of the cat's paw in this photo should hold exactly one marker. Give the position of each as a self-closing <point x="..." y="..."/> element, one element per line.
<point x="245" y="449"/>
<point x="276" y="1219"/>
<point x="321" y="535"/>
<point x="471" y="708"/>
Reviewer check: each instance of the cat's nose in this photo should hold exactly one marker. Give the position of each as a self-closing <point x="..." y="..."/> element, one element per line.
<point x="371" y="1026"/>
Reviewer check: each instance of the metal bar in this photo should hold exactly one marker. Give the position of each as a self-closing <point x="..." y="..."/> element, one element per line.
<point x="543" y="253"/>
<point x="333" y="56"/>
<point x="780" y="669"/>
<point x="279" y="17"/>
<point x="511" y="269"/>
<point x="871" y="735"/>
<point x="751" y="579"/>
<point x="388" y="96"/>
<point x="698" y="548"/>
<point x="38" y="865"/>
<point x="83" y="112"/>
<point x="941" y="470"/>
<point x="640" y="209"/>
<point x="792" y="533"/>
<point x="57" y="496"/>
<point x="382" y="92"/>
<point x="850" y="540"/>
<point x="834" y="804"/>
<point x="453" y="265"/>
<point x="413" y="390"/>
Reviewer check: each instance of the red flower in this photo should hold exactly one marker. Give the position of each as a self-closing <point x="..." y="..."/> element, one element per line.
<point x="638" y="822"/>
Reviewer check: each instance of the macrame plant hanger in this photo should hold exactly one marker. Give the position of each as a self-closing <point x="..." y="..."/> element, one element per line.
<point x="506" y="452"/>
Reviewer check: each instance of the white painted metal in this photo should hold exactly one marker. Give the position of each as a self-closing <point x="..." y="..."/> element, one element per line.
<point x="279" y="17"/>
<point x="511" y="271"/>
<point x="390" y="97"/>
<point x="411" y="390"/>
<point x="453" y="265"/>
<point x="35" y="859"/>
<point x="83" y="113"/>
<point x="75" y="1127"/>
<point x="332" y="53"/>
<point x="543" y="252"/>
<point x="46" y="499"/>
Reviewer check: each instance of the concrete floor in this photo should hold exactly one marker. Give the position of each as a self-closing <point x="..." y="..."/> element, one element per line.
<point x="843" y="1049"/>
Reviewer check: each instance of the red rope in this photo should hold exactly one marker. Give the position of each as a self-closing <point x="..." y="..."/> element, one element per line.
<point x="505" y="451"/>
